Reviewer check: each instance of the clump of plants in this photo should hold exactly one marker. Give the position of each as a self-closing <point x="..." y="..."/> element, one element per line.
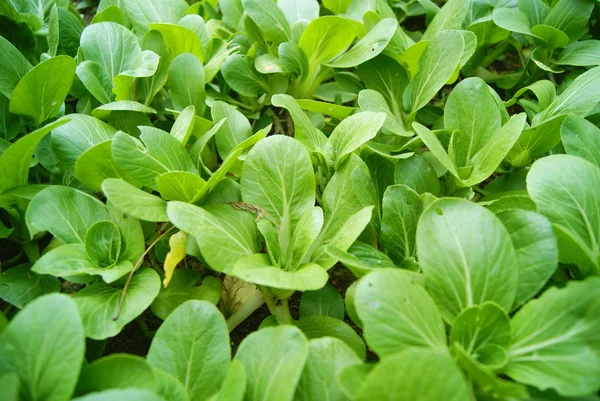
<point x="285" y="200"/>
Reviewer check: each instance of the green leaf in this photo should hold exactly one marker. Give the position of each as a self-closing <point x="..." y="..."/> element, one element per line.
<point x="570" y="17"/>
<point x="402" y="208"/>
<point x="193" y="345"/>
<point x="40" y="94"/>
<point x="98" y="302"/>
<point x="104" y="112"/>
<point x="317" y="326"/>
<point x="419" y="381"/>
<point x="65" y="212"/>
<point x="337" y="6"/>
<point x="537" y="251"/>
<point x="417" y="173"/>
<point x="103" y="244"/>
<point x="305" y="234"/>
<point x="274" y="358"/>
<point x="564" y="188"/>
<point x="232" y="11"/>
<point x="327" y="358"/>
<point x="369" y="46"/>
<point x="45" y="373"/>
<point x="168" y="387"/>
<point x="257" y="269"/>
<point x="360" y="258"/>
<point x="9" y="382"/>
<point x="134" y="201"/>
<point x="19" y="286"/>
<point x="235" y="130"/>
<point x="116" y="371"/>
<point x="293" y="60"/>
<point x="512" y="20"/>
<point x="16" y="159"/>
<point x="278" y="176"/>
<point x="484" y="332"/>
<point x="80" y="133"/>
<point x="397" y="313"/>
<point x="242" y="76"/>
<point x="159" y="154"/>
<point x="184" y="124"/>
<point x="141" y="13"/>
<point x="183" y="288"/>
<point x="436" y="66"/>
<point x="554" y="342"/>
<point x="324" y="302"/>
<point x="353" y="132"/>
<point x="450" y="16"/>
<point x="234" y="385"/>
<point x="467" y="257"/>
<point x="584" y="53"/>
<point x="325" y="38"/>
<point x="130" y="394"/>
<point x="295" y="10"/>
<point x="215" y="225"/>
<point x="186" y="83"/>
<point x="95" y="165"/>
<point x="581" y="138"/>
<point x="269" y="18"/>
<point x="180" y="185"/>
<point x="180" y="40"/>
<point x="304" y="130"/>
<point x="13" y="67"/>
<point x="71" y="261"/>
<point x="328" y="109"/>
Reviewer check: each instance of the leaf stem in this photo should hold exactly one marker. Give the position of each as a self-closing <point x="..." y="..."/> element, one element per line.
<point x="136" y="266"/>
<point x="279" y="308"/>
<point x="249" y="307"/>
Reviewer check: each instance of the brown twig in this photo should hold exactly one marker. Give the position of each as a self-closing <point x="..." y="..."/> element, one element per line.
<point x="136" y="266"/>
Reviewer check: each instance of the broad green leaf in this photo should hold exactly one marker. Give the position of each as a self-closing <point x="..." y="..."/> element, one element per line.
<point x="109" y="14"/>
<point x="554" y="343"/>
<point x="186" y="83"/>
<point x="180" y="185"/>
<point x="450" y="16"/>
<point x="9" y="383"/>
<point x="564" y="188"/>
<point x="234" y="385"/>
<point x="293" y="60"/>
<point x="129" y="394"/>
<point x="360" y="258"/>
<point x="317" y="326"/>
<point x="13" y="67"/>
<point x="581" y="138"/>
<point x="40" y="94"/>
<point x="193" y="345"/>
<point x="306" y="232"/>
<point x="484" y="332"/>
<point x="369" y="46"/>
<point x="257" y="269"/>
<point x="96" y="80"/>
<point x="274" y="358"/>
<point x="397" y="313"/>
<point x="65" y="212"/>
<point x="104" y="112"/>
<point x="584" y="53"/>
<point x="324" y="302"/>
<point x="353" y="132"/>
<point x="80" y="133"/>
<point x="373" y="101"/>
<point x="535" y="10"/>
<point x="235" y="130"/>
<point x="295" y="10"/>
<point x="141" y="13"/>
<point x="536" y="141"/>
<point x="327" y="358"/>
<point x="304" y="130"/>
<point x="71" y="261"/>
<point x="570" y="17"/>
<point x="103" y="244"/>
<point x="45" y="373"/>
<point x="544" y="90"/>
<point x="242" y="76"/>
<point x="116" y="371"/>
<point x="180" y="40"/>
<point x="325" y="38"/>
<point x="513" y="20"/>
<point x="134" y="201"/>
<point x="19" y="286"/>
<point x="232" y="11"/>
<point x="579" y="98"/>
<point x="337" y="6"/>
<point x="182" y="288"/>
<point x="168" y="387"/>
<point x="269" y="18"/>
<point x="417" y="173"/>
<point x="328" y="109"/>
<point x="467" y="257"/>
<point x="436" y="66"/>
<point x="213" y="227"/>
<point x="429" y="375"/>
<point x="97" y="304"/>
<point x="184" y="124"/>
<point x="550" y="37"/>
<point x="16" y="159"/>
<point x="537" y="251"/>
<point x="278" y="177"/>
<point x="95" y="165"/>
<point x="158" y="154"/>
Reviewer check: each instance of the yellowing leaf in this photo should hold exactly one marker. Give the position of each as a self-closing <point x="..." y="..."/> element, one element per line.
<point x="177" y="244"/>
